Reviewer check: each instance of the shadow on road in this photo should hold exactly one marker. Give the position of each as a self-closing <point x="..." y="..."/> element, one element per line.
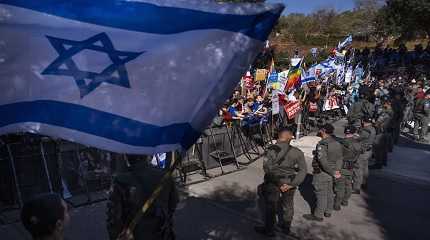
<point x="306" y="189"/>
<point x="406" y="140"/>
<point x="230" y="212"/>
<point x="400" y="208"/>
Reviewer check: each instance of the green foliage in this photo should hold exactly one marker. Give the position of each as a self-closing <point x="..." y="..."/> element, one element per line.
<point x="406" y="19"/>
<point x="282" y="60"/>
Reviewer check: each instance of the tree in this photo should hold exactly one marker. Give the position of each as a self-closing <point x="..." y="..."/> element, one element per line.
<point x="405" y="18"/>
<point x="369" y="5"/>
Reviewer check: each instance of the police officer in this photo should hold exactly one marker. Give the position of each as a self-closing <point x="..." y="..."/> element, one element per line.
<point x="130" y="190"/>
<point x="422" y="114"/>
<point x="362" y="108"/>
<point x="367" y="135"/>
<point x="351" y="152"/>
<point x="383" y="134"/>
<point x="398" y="107"/>
<point x="327" y="164"/>
<point x="285" y="169"/>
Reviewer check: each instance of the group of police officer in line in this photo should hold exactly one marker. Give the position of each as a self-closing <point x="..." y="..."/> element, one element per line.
<point x="340" y="168"/>
<point x="340" y="165"/>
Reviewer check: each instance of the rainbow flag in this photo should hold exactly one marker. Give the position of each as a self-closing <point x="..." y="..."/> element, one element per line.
<point x="294" y="76"/>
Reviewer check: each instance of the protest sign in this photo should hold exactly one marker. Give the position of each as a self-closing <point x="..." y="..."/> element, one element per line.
<point x="260" y="75"/>
<point x="331" y="104"/>
<point x="313" y="107"/>
<point x="275" y="104"/>
<point x="248" y="82"/>
<point x="292" y="108"/>
<point x="283" y="79"/>
<point x="273" y="77"/>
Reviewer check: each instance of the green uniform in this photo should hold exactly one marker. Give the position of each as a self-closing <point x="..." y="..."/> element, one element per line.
<point x="343" y="186"/>
<point x="328" y="160"/>
<point x="383" y="141"/>
<point x="398" y="115"/>
<point x="284" y="164"/>
<point x="422" y="114"/>
<point x="361" y="108"/>
<point x="361" y="172"/>
<point x="129" y="192"/>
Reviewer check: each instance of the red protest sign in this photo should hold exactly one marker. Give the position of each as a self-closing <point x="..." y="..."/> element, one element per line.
<point x="292" y="108"/>
<point x="313" y="107"/>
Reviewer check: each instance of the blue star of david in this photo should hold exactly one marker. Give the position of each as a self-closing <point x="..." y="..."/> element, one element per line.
<point x="66" y="49"/>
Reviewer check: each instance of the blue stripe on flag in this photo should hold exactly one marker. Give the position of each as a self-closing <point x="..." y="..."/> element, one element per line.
<point x="150" y="18"/>
<point x="98" y="123"/>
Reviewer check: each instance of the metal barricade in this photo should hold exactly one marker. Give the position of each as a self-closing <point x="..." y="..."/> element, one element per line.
<point x="86" y="173"/>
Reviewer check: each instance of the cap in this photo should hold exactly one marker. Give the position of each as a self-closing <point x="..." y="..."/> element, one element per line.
<point x="328" y="128"/>
<point x="350" y="130"/>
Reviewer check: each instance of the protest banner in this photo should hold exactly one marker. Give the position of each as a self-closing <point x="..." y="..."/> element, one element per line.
<point x="273" y="77"/>
<point x="331" y="104"/>
<point x="292" y="108"/>
<point x="248" y="82"/>
<point x="313" y="107"/>
<point x="260" y="75"/>
<point x="283" y="79"/>
<point x="275" y="104"/>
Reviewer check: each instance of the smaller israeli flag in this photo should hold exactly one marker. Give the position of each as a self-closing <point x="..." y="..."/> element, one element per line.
<point x="345" y="43"/>
<point x="308" y="76"/>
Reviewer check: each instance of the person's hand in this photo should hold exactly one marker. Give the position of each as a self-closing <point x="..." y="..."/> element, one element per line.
<point x="285" y="187"/>
<point x="126" y="235"/>
<point x="337" y="175"/>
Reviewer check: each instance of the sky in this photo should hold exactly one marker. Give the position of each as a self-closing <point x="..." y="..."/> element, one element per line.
<point x="308" y="6"/>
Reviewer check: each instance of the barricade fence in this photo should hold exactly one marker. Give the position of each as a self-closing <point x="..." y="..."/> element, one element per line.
<point x="33" y="164"/>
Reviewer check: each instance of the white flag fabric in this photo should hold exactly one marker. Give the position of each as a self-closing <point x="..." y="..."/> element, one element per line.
<point x="127" y="76"/>
<point x="345" y="43"/>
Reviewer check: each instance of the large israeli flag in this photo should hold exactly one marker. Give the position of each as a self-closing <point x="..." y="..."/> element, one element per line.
<point x="125" y="76"/>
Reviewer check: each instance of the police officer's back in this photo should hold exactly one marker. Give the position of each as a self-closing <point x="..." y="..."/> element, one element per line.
<point x="362" y="108"/>
<point x="285" y="169"/>
<point x="327" y="163"/>
<point x="130" y="190"/>
<point x="282" y="164"/>
<point x="351" y="153"/>
<point x="422" y="115"/>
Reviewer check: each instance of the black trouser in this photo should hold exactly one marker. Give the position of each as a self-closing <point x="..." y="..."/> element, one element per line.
<point x="380" y="149"/>
<point x="396" y="132"/>
<point x="274" y="203"/>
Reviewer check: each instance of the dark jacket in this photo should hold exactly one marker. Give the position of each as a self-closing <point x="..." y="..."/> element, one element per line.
<point x="130" y="191"/>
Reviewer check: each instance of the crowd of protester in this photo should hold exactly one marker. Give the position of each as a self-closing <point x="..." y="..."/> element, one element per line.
<point x="386" y="73"/>
<point x="378" y="109"/>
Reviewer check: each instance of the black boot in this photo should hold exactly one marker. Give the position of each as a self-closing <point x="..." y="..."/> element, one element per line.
<point x="263" y="231"/>
<point x="285" y="228"/>
<point x="376" y="166"/>
<point x="311" y="217"/>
